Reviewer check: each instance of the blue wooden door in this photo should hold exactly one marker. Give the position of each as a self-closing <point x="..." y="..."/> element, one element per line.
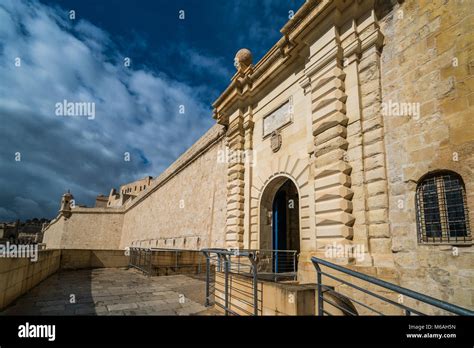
<point x="279" y="227"/>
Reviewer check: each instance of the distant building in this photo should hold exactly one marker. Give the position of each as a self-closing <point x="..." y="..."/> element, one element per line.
<point x="101" y="201"/>
<point x="26" y="232"/>
<point x="8" y="232"/>
<point x="127" y="192"/>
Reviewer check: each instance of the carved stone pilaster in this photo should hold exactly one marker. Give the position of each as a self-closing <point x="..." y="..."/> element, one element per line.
<point x="375" y="171"/>
<point x="235" y="183"/>
<point x="332" y="180"/>
<point x="250" y="162"/>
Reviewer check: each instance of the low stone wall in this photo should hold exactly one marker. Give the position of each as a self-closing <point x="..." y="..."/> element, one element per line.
<point x="301" y="299"/>
<point x="80" y="259"/>
<point x="18" y="275"/>
<point x="170" y="262"/>
<point x="383" y="273"/>
<point x="273" y="298"/>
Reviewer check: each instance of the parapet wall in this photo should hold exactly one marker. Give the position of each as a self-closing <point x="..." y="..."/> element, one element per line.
<point x="18" y="275"/>
<point x="86" y="228"/>
<point x="86" y="259"/>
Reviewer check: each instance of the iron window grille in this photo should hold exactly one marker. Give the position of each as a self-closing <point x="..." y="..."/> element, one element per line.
<point x="441" y="207"/>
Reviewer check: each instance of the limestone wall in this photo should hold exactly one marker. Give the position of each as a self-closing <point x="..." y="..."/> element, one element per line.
<point x="85" y="259"/>
<point x="18" y="275"/>
<point x="86" y="228"/>
<point x="272" y="298"/>
<point x="427" y="59"/>
<point x="186" y="206"/>
<point x="53" y="233"/>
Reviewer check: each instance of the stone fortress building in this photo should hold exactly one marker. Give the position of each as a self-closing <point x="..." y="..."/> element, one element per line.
<point x="355" y="129"/>
<point x="127" y="192"/>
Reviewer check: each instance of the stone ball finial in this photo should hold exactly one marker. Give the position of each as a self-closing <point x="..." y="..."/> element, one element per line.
<point x="243" y="58"/>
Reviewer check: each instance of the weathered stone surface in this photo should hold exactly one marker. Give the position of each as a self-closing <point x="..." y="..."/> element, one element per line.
<point x="128" y="293"/>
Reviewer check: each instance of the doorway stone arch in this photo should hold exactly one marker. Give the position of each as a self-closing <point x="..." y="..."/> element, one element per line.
<point x="286" y="167"/>
<point x="280" y="192"/>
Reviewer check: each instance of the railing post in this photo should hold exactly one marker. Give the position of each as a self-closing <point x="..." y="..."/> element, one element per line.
<point x="219" y="265"/>
<point x="150" y="256"/>
<point x="253" y="261"/>
<point x="320" y="290"/>
<point x="140" y="256"/>
<point x="295" y="264"/>
<point x="238" y="265"/>
<point x="208" y="277"/>
<point x="226" y="285"/>
<point x="199" y="263"/>
<point x="176" y="261"/>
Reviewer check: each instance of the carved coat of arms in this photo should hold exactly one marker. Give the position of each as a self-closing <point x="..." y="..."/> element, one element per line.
<point x="275" y="141"/>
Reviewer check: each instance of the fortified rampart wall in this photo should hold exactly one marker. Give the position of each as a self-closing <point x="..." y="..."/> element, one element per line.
<point x="185" y="208"/>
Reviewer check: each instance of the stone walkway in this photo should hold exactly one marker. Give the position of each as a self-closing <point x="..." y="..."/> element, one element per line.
<point x="112" y="291"/>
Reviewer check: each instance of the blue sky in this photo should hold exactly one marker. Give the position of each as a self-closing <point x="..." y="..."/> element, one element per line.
<point x="173" y="62"/>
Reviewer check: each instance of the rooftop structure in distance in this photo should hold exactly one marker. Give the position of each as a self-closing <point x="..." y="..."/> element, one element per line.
<point x="25" y="232"/>
<point x="8" y="231"/>
<point x="101" y="201"/>
<point x="127" y="192"/>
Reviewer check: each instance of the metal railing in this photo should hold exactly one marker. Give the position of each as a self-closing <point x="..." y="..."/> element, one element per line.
<point x="229" y="263"/>
<point x="223" y="287"/>
<point x="403" y="300"/>
<point x="160" y="261"/>
<point x="276" y="265"/>
<point x="140" y="258"/>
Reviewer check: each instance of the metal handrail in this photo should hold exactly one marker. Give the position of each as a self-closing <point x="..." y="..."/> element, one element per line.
<point x="247" y="263"/>
<point x="223" y="258"/>
<point x="284" y="262"/>
<point x="144" y="259"/>
<point x="384" y="284"/>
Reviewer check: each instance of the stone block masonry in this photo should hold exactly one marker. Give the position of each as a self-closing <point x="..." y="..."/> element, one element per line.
<point x="18" y="275"/>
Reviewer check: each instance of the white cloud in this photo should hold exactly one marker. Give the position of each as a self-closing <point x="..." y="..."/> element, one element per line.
<point x="207" y="63"/>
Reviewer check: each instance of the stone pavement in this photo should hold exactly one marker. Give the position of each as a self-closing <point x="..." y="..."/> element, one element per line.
<point x="112" y="291"/>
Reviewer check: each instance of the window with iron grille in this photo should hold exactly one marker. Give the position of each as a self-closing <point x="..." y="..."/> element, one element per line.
<point x="441" y="209"/>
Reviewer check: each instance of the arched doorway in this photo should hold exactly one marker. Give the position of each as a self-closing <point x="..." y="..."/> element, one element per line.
<point x="279" y="223"/>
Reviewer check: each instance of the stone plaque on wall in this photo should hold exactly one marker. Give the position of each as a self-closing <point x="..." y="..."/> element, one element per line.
<point x="277" y="118"/>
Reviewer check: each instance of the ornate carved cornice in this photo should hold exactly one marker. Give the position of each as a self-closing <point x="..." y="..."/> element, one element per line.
<point x="246" y="81"/>
<point x="312" y="16"/>
<point x="371" y="36"/>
